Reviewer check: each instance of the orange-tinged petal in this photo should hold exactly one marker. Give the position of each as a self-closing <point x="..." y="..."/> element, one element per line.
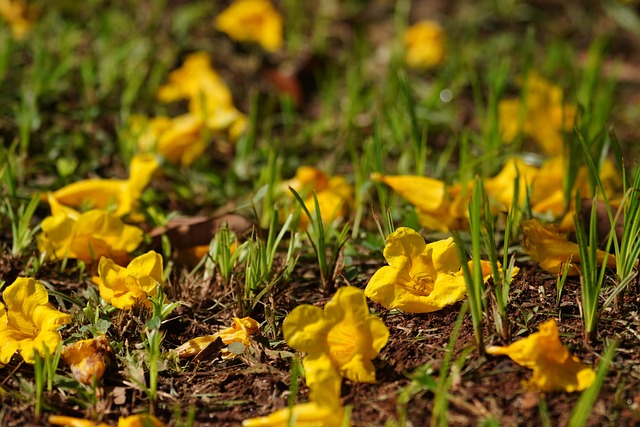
<point x="554" y="368"/>
<point x="63" y="420"/>
<point x="240" y="331"/>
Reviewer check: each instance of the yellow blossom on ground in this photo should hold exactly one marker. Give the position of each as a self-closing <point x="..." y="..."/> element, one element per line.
<point x="252" y="21"/>
<point x="420" y="278"/>
<point x="126" y="287"/>
<point x="438" y="207"/>
<point x="210" y="100"/>
<point x="344" y="332"/>
<point x="130" y="421"/>
<point x="425" y="44"/>
<point x="178" y="140"/>
<point x="544" y="116"/>
<point x="240" y="331"/>
<point x="29" y="323"/>
<point x="554" y="367"/>
<point x="19" y="15"/>
<point x="551" y="250"/>
<point x="335" y="195"/>
<point x="88" y="359"/>
<point x="87" y="236"/>
<point x="119" y="195"/>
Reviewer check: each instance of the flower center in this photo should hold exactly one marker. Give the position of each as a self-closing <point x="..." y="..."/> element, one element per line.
<point x="418" y="284"/>
<point x="344" y="341"/>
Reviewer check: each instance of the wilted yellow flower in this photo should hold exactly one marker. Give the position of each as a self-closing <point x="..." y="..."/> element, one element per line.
<point x="344" y="332"/>
<point x="425" y="44"/>
<point x="87" y="236"/>
<point x="126" y="287"/>
<point x="88" y="358"/>
<point x="551" y="250"/>
<point x="119" y="195"/>
<point x="29" y="323"/>
<point x="544" y="116"/>
<point x="420" y="278"/>
<point x="240" y="331"/>
<point x="554" y="368"/>
<point x="19" y="15"/>
<point x="130" y="421"/>
<point x="334" y="194"/>
<point x="252" y="21"/>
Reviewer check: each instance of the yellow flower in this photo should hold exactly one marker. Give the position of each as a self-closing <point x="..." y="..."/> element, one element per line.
<point x="335" y="195"/>
<point x="252" y="21"/>
<point x="344" y="331"/>
<point x="87" y="236"/>
<point x="240" y="331"/>
<point x="126" y="287"/>
<point x="210" y="100"/>
<point x="420" y="278"/>
<point x="178" y="140"/>
<point x="29" y="323"/>
<point x="130" y="421"/>
<point x="543" y="116"/>
<point x="554" y="367"/>
<point x="438" y="207"/>
<point x="120" y="194"/>
<point x="19" y="16"/>
<point x="88" y="358"/>
<point x="425" y="44"/>
<point x="552" y="250"/>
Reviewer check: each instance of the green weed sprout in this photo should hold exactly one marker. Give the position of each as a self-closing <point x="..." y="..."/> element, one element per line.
<point x="584" y="407"/>
<point x="44" y="369"/>
<point x="321" y="240"/>
<point x="259" y="258"/>
<point x="21" y="231"/>
<point x="473" y="279"/>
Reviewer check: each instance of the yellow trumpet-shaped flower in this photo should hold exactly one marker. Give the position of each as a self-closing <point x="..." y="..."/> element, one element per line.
<point x="554" y="367"/>
<point x="425" y="44"/>
<point x="119" y="195"/>
<point x="420" y="277"/>
<point x="252" y="21"/>
<point x="543" y="115"/>
<point x="240" y="331"/>
<point x="87" y="236"/>
<point x="126" y="287"/>
<point x="29" y="323"/>
<point x="130" y="421"/>
<point x="88" y="359"/>
<point x="551" y="250"/>
<point x="344" y="332"/>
